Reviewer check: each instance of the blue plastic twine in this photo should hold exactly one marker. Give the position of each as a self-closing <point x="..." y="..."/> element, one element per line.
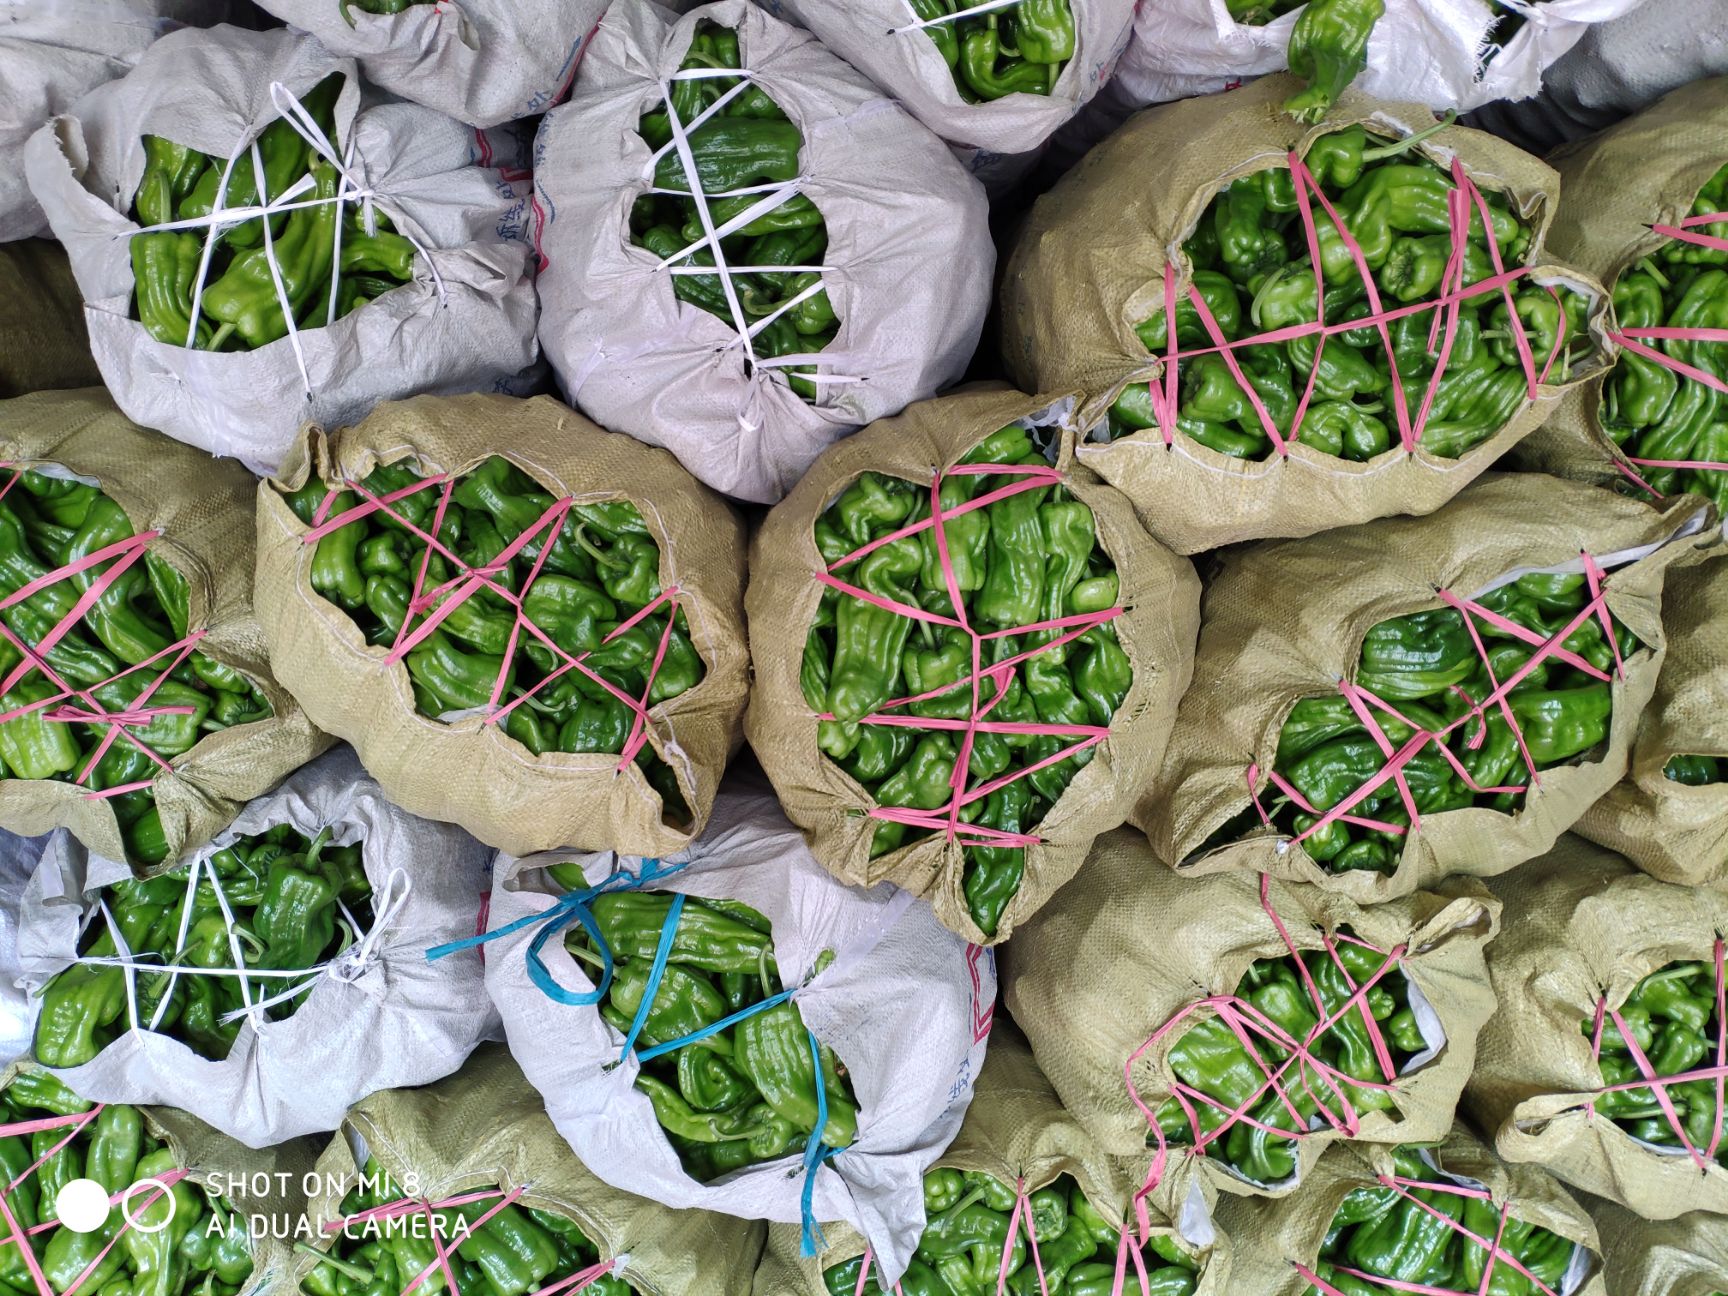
<point x="651" y="991"/>
<point x="570" y="907"/>
<point x="815" y="1152"/>
<point x="573" y="906"/>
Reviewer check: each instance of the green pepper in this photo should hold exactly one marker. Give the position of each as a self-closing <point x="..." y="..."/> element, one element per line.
<point x="1416" y="656"/>
<point x="774" y="1051"/>
<point x="1328" y="50"/>
<point x="1560" y="724"/>
<point x="1013" y="588"/>
<point x="980" y="53"/>
<point x="706" y="938"/>
<point x="458" y="680"/>
<point x="1222" y="301"/>
<point x="869" y="640"/>
<point x="245" y="299"/>
<point x="31" y="745"/>
<point x="164" y="271"/>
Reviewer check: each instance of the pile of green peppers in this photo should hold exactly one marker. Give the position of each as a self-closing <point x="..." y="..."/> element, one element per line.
<point x="188" y="1257"/>
<point x="745" y="1094"/>
<point x="1025" y="559"/>
<point x="1019" y="49"/>
<point x="1672" y="1017"/>
<point x="1426" y="665"/>
<point x="294" y="902"/>
<point x="45" y="524"/>
<point x="1650" y="411"/>
<point x="240" y="309"/>
<point x="748" y="142"/>
<point x="1252" y="267"/>
<point x="967" y="1218"/>
<point x="1210" y="1057"/>
<point x="1696" y="771"/>
<point x="603" y="568"/>
<point x="517" y="1251"/>
<point x="1382" y="1232"/>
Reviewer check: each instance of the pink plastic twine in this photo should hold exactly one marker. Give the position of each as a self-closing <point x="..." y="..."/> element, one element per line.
<point x="1364" y="703"/>
<point x="72" y="705"/>
<point x="1248" y="1024"/>
<point x="1125" y="1249"/>
<point x="16" y="1234"/>
<point x="443" y="1248"/>
<point x="469" y="581"/>
<point x="1463" y="197"/>
<point x="1633" y="339"/>
<point x="1497" y="1254"/>
<point x="946" y="820"/>
<point x="1704" y="1157"/>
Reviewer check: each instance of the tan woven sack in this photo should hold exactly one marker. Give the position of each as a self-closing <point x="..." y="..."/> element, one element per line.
<point x="1670" y="830"/>
<point x="1129" y="947"/>
<point x="43" y="342"/>
<point x="1616" y="185"/>
<point x="1158" y="590"/>
<point x="1583" y="927"/>
<point x="1286" y="621"/>
<point x="265" y="1187"/>
<point x="1090" y="264"/>
<point x="1277" y="1240"/>
<point x="1017" y="1131"/>
<point x="483" y="1128"/>
<point x="1686" y="1256"/>
<point x="202" y="508"/>
<point x="468" y="771"/>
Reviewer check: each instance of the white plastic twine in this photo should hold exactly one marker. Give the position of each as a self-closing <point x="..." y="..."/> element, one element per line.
<point x="359" y="951"/>
<point x="772" y="196"/>
<point x="349" y="189"/>
<point x="919" y="24"/>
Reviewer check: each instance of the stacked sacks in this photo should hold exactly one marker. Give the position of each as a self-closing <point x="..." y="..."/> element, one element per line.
<point x="543" y="646"/>
<point x="1437" y="334"/>
<point x="325" y="895"/>
<point x="392" y="263"/>
<point x="472" y="1164"/>
<point x="1220" y="1032"/>
<point x="962" y="713"/>
<point x="1607" y="978"/>
<point x="741" y="384"/>
<point x="1639" y="215"/>
<point x="729" y="1028"/>
<point x="136" y="671"/>
<point x="1429" y="696"/>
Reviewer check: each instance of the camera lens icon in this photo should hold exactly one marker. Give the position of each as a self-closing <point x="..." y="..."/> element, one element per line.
<point x="83" y="1205"/>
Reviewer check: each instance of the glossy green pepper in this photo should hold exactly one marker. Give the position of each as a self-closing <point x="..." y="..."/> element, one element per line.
<point x="1328" y="49"/>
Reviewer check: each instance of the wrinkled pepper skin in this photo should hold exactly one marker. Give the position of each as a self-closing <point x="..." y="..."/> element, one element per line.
<point x="1328" y="50"/>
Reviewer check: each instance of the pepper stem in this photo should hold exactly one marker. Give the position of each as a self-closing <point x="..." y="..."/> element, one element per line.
<point x="340" y="1265"/>
<point x="586" y="955"/>
<point x="940" y="1224"/>
<point x="317" y="847"/>
<point x="250" y="941"/>
<point x="222" y="334"/>
<point x="598" y="554"/>
<point x="762" y="971"/>
<point x="1409" y="141"/>
<point x="1649" y="267"/>
<point x="1271" y="281"/>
